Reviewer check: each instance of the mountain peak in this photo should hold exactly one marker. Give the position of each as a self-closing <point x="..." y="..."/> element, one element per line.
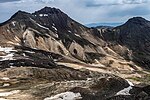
<point x="137" y="20"/>
<point x="20" y="15"/>
<point x="48" y="10"/>
<point x="20" y="12"/>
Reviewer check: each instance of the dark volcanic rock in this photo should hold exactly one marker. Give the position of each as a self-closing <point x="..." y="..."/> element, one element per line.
<point x="134" y="32"/>
<point x="25" y="56"/>
<point x="135" y="36"/>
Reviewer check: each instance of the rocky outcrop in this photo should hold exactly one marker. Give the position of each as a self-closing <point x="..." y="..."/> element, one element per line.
<point x="42" y="83"/>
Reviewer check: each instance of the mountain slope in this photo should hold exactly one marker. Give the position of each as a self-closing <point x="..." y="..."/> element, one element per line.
<point x="135" y="34"/>
<point x="135" y="31"/>
<point x="54" y="33"/>
<point x="48" y="26"/>
<point x="130" y="40"/>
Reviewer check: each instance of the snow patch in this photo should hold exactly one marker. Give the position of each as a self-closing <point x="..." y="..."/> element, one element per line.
<point x="56" y="35"/>
<point x="4" y="94"/>
<point x="69" y="31"/>
<point x="6" y="49"/>
<point x="24" y="54"/>
<point x="11" y="66"/>
<point x="29" y="51"/>
<point x="5" y="78"/>
<point x="130" y="83"/>
<point x="39" y="24"/>
<point x="42" y="26"/>
<point x="89" y="79"/>
<point x="14" y="22"/>
<point x="7" y="57"/>
<point x="126" y="91"/>
<point x="65" y="96"/>
<point x="54" y="28"/>
<point x="41" y="15"/>
<point x="6" y="84"/>
<point x="8" y="30"/>
<point x="45" y="14"/>
<point x="77" y="35"/>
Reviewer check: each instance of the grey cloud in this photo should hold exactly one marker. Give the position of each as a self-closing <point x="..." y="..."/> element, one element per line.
<point x="134" y="1"/>
<point x="136" y="11"/>
<point x="96" y="3"/>
<point x="84" y="11"/>
<point x="3" y="1"/>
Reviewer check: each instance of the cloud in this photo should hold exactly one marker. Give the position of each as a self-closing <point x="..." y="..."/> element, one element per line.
<point x="134" y="1"/>
<point x="84" y="11"/>
<point x="37" y="1"/>
<point x="135" y="11"/>
<point x="3" y="1"/>
<point x="96" y="3"/>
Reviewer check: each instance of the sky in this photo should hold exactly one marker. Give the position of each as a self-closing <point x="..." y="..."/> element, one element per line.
<point x="83" y="11"/>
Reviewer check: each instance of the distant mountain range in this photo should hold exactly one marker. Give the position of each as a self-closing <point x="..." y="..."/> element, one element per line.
<point x="103" y="24"/>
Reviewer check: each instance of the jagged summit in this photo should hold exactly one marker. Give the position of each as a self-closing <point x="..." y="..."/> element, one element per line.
<point x="20" y="15"/>
<point x="48" y="10"/>
<point x="42" y="14"/>
<point x="20" y="12"/>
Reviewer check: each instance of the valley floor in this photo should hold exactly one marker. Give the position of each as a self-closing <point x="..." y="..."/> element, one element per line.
<point x="25" y="83"/>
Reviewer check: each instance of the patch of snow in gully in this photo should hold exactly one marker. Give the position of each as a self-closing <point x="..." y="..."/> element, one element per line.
<point x="126" y="91"/>
<point x="65" y="96"/>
